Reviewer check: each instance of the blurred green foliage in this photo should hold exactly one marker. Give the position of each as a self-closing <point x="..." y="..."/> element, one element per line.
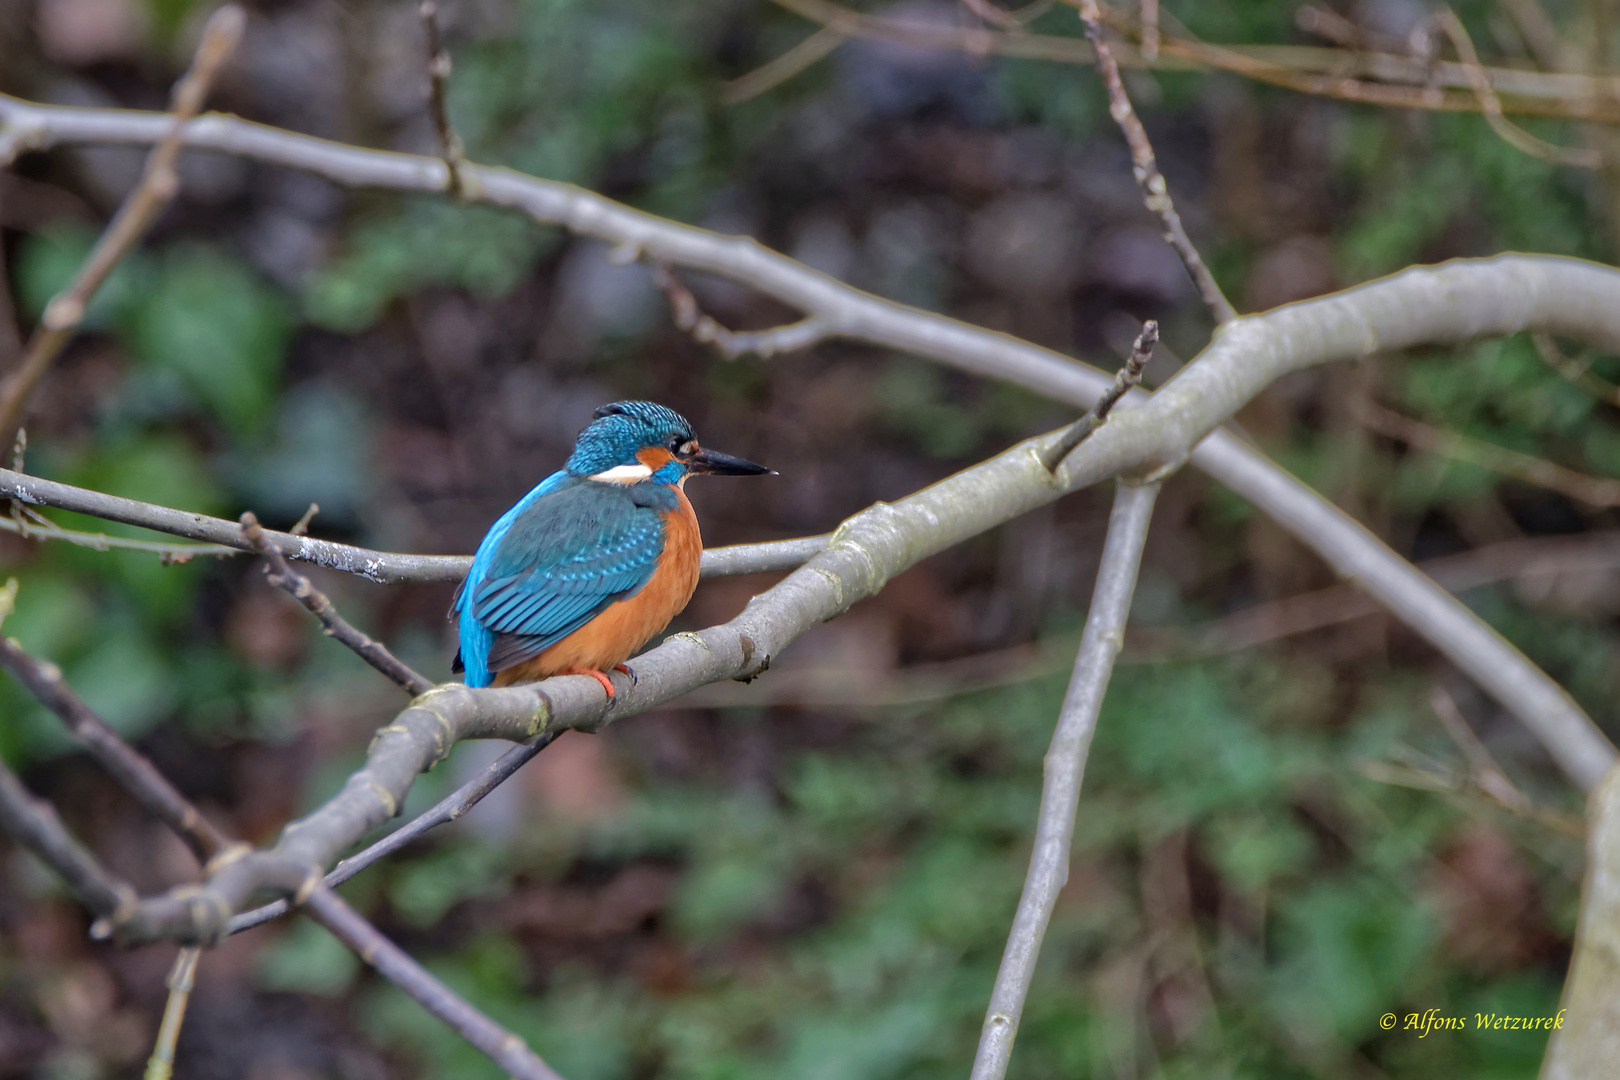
<point x="917" y="829"/>
<point x="907" y="842"/>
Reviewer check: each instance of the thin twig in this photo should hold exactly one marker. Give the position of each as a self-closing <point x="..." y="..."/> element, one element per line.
<point x="382" y="567"/>
<point x="1155" y="192"/>
<point x="36" y="526"/>
<point x="1331" y="26"/>
<point x="438" y="66"/>
<point x="507" y="1050"/>
<point x="1125" y="380"/>
<point x="298" y="586"/>
<point x="35" y="824"/>
<point x="134" y="773"/>
<point x="1536" y="559"/>
<point x="1458" y="784"/>
<point x="779" y="70"/>
<point x="1491" y="106"/>
<point x="182" y="980"/>
<point x="1065" y="765"/>
<point x="987" y="10"/>
<point x="1591" y="490"/>
<point x="1537" y="32"/>
<point x="446" y="810"/>
<point x="1385" y="79"/>
<point x="731" y="344"/>
<point x="1575" y="371"/>
<point x="157" y="188"/>
<point x="1486" y="772"/>
<point x="301" y="526"/>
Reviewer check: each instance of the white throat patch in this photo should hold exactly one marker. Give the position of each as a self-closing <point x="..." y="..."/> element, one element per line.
<point x="624" y="474"/>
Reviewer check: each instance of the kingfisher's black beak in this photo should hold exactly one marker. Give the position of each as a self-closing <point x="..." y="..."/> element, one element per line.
<point x="717" y="464"/>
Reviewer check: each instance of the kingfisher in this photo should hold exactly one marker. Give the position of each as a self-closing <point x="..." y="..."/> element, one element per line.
<point x="596" y="560"/>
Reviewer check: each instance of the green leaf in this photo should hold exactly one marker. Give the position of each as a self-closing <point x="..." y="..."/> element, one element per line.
<point x="221" y="327"/>
<point x="483" y="250"/>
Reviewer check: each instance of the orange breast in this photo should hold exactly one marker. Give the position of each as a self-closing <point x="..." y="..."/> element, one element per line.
<point x="615" y="635"/>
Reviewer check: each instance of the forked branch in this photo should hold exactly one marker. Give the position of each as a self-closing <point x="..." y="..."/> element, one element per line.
<point x="1065" y="765"/>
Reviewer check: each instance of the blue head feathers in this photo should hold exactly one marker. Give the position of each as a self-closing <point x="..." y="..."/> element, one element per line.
<point x="624" y="428"/>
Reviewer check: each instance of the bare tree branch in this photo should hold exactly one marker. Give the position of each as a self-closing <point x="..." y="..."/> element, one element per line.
<point x="1591" y="490"/>
<point x="508" y="1051"/>
<point x="1491" y="106"/>
<point x="1538" y="563"/>
<point x="382" y="567"/>
<point x="1363" y="76"/>
<point x="34" y="824"/>
<point x="157" y="188"/>
<point x="1155" y="192"/>
<point x="731" y="344"/>
<point x="438" y="66"/>
<point x="134" y="773"/>
<point x="1579" y="748"/>
<point x="1450" y="303"/>
<point x="774" y="72"/>
<point x="1065" y="765"/>
<point x="36" y="526"/>
<point x="443" y="812"/>
<point x="181" y="981"/>
<point x="336" y="626"/>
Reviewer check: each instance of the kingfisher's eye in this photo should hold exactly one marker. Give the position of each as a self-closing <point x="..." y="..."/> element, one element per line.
<point x="675" y="444"/>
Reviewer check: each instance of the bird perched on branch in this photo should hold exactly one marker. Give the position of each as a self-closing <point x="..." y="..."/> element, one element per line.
<point x="597" y="559"/>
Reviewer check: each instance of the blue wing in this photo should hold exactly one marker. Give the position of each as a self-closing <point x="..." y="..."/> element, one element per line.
<point x="551" y="564"/>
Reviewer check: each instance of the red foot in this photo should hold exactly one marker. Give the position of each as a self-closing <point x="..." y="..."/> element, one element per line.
<point x="593" y="673"/>
<point x="628" y="670"/>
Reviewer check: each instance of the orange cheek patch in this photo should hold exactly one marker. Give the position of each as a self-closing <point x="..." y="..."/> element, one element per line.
<point x="654" y="457"/>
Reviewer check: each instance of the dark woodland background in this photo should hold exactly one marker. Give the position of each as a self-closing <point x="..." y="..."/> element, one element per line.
<point x="810" y="876"/>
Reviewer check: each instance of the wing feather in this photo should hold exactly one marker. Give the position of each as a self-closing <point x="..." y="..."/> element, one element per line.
<point x="560" y="561"/>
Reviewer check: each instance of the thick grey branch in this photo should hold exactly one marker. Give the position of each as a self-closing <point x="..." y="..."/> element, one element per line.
<point x="1065" y="765"/>
<point x="443" y="812"/>
<point x="419" y="738"/>
<point x="1433" y="305"/>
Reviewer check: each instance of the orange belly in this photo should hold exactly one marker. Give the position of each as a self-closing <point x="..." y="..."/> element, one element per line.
<point x="615" y="635"/>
